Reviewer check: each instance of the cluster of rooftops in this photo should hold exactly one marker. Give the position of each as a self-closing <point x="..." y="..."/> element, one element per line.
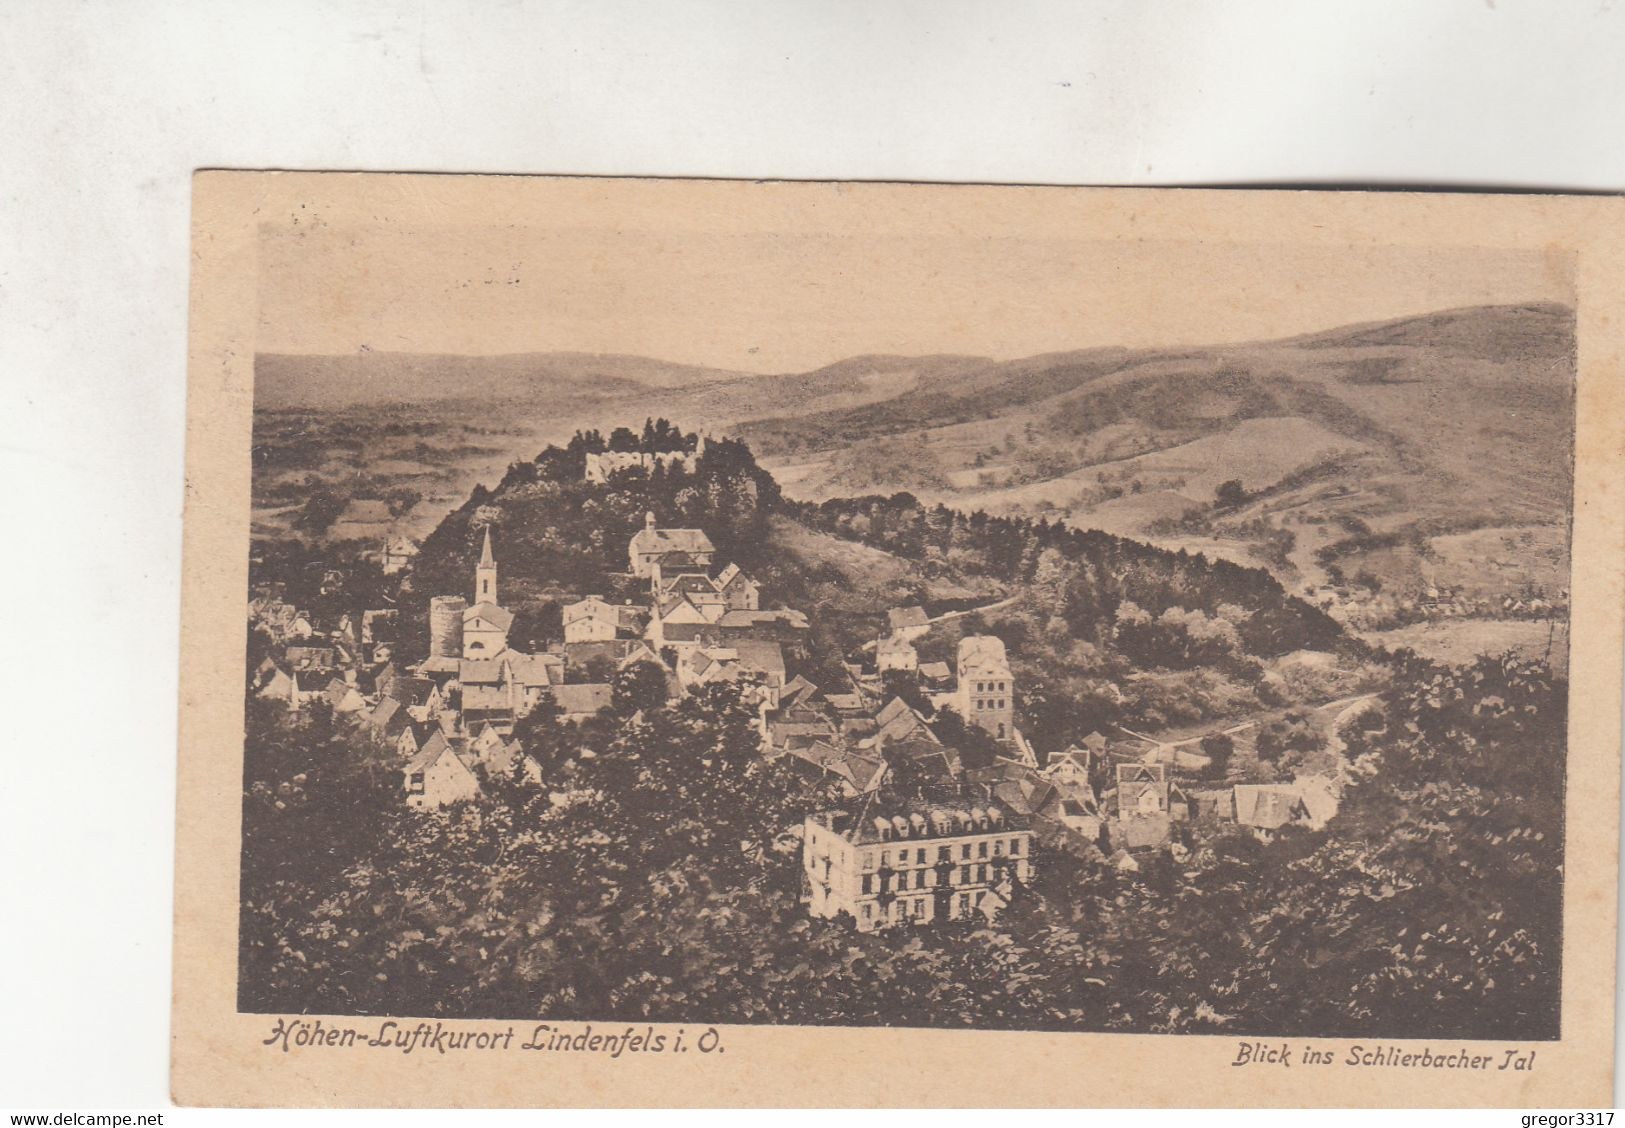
<point x="919" y="822"/>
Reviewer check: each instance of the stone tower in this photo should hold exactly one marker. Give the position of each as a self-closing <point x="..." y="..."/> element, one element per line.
<point x="485" y="574"/>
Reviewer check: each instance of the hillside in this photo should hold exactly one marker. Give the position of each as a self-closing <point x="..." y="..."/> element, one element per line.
<point x="1404" y="430"/>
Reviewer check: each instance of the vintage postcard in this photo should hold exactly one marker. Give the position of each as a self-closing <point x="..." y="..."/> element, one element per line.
<point x="718" y="643"/>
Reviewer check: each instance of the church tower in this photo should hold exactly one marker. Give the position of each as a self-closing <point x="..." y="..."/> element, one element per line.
<point x="485" y="575"/>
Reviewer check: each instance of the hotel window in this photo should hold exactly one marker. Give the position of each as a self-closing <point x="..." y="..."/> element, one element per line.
<point x="919" y="855"/>
<point x="981" y="873"/>
<point x="885" y="858"/>
<point x="964" y="850"/>
<point x="945" y="853"/>
<point x="964" y="875"/>
<point x="998" y="849"/>
<point x="981" y="849"/>
<point x="868" y="859"/>
<point x="868" y="883"/>
<point x="868" y="910"/>
<point x="1015" y="846"/>
<point x="919" y="879"/>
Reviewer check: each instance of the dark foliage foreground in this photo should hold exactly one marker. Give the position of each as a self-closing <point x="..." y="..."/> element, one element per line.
<point x="654" y="879"/>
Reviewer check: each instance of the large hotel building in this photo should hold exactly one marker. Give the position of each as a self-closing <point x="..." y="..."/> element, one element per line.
<point x="914" y="865"/>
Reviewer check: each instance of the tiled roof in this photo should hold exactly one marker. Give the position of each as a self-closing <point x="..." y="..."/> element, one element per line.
<point x="499" y="617"/>
<point x="1267" y="805"/>
<point x="583" y="698"/>
<point x="648" y="542"/>
<point x="901" y="618"/>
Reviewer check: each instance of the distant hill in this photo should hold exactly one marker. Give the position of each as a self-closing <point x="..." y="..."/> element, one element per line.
<point x="1453" y="420"/>
<point x="1357" y="445"/>
<point x="284" y="380"/>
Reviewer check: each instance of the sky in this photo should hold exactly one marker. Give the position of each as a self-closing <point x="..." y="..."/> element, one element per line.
<point x="791" y="302"/>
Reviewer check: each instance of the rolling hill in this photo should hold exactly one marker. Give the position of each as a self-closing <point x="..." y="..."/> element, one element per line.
<point x="1361" y="449"/>
<point x="1384" y="434"/>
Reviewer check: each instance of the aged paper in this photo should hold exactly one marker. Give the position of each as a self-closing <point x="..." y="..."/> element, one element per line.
<point x="705" y="643"/>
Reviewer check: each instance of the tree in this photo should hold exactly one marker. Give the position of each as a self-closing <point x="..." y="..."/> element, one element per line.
<point x="1284" y="740"/>
<point x="639" y="687"/>
<point x="906" y="684"/>
<point x="535" y="625"/>
<point x="542" y="734"/>
<point x="1230" y="495"/>
<point x="1218" y="748"/>
<point x="976" y="748"/>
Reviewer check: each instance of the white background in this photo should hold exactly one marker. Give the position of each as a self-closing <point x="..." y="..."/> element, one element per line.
<point x="107" y="107"/>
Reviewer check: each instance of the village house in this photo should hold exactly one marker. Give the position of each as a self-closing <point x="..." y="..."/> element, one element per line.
<point x="739" y="591"/>
<point x="919" y="864"/>
<point x="310" y="659"/>
<point x="782" y="625"/>
<point x="595" y="619"/>
<point x="439" y="774"/>
<point x="285" y="686"/>
<point x="986" y="693"/>
<point x="502" y="756"/>
<point x="896" y="653"/>
<point x="1148" y="804"/>
<point x="397" y="553"/>
<point x="901" y="731"/>
<point x="1265" y="808"/>
<point x="649" y="544"/>
<point x="413" y="737"/>
<point x="679" y="623"/>
<point x="692" y="583"/>
<point x="827" y="760"/>
<point x="907" y="623"/>
<point x="1070" y="767"/>
<point x="936" y="676"/>
<point x="343" y="697"/>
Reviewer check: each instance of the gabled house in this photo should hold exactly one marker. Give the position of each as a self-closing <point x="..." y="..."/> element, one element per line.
<point x="680" y="623"/>
<point x="439" y="774"/>
<point x="649" y="544"/>
<point x="283" y="685"/>
<point x="897" y="721"/>
<point x="907" y="622"/>
<point x="411" y="738"/>
<point x="1266" y="808"/>
<point x="528" y="675"/>
<point x="739" y="591"/>
<point x="595" y="619"/>
<point x="896" y="653"/>
<point x="386" y="719"/>
<point x="782" y="625"/>
<point x="343" y="698"/>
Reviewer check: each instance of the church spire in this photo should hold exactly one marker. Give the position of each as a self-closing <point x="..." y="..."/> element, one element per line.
<point x="485" y="574"/>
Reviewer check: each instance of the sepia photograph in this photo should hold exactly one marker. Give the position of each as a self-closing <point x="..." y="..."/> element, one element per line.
<point x="663" y="628"/>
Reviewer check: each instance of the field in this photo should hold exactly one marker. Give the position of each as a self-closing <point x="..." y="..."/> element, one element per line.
<point x="1457" y="641"/>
